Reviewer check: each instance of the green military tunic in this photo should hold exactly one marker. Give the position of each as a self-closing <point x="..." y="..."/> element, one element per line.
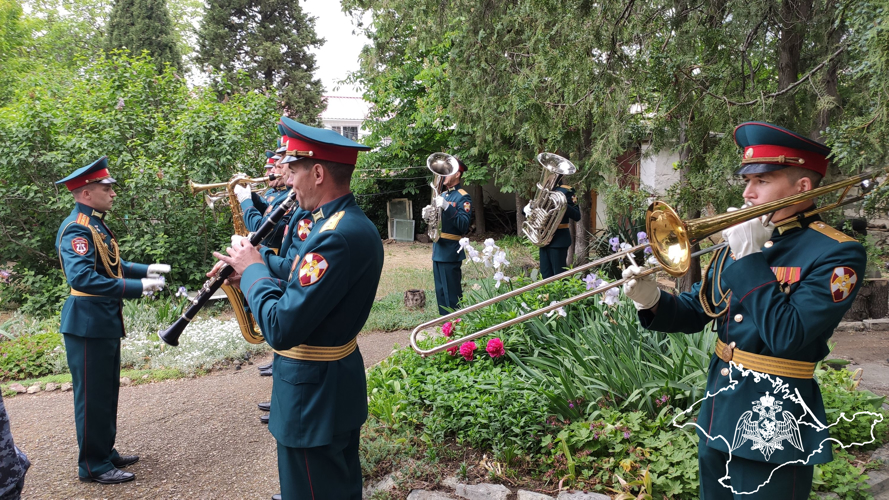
<point x="295" y="232"/>
<point x="554" y="257"/>
<point x="318" y="406"/>
<point x="447" y="258"/>
<point x="92" y="323"/>
<point x="783" y="303"/>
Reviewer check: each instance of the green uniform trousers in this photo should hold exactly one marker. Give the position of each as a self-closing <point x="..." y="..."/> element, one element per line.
<point x="787" y="483"/>
<point x="331" y="471"/>
<point x="95" y="377"/>
<point x="552" y="261"/>
<point x="448" y="290"/>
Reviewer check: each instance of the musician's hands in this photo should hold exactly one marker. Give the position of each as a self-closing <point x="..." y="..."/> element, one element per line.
<point x="150" y="285"/>
<point x="747" y="237"/>
<point x="427" y="212"/>
<point x="155" y="270"/>
<point x="439" y="202"/>
<point x="241" y="255"/>
<point x="642" y="291"/>
<point x="242" y="192"/>
<point x="528" y="210"/>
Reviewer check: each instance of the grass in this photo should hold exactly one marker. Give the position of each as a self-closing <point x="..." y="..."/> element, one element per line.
<point x="137" y="376"/>
<point x="397" y="280"/>
<point x="389" y="314"/>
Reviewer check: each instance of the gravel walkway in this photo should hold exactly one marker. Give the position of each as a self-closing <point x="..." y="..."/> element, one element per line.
<point x="198" y="438"/>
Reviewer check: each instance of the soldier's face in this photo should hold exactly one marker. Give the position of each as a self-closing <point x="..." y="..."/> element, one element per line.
<point x="453" y="180"/>
<point x="771" y="186"/>
<point x="305" y="183"/>
<point x="100" y="197"/>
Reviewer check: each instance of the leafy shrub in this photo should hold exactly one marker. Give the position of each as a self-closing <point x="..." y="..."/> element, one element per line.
<point x="29" y="356"/>
<point x="841" y="476"/>
<point x="840" y="393"/>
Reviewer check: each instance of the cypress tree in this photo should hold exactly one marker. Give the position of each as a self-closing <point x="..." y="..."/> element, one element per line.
<point x="269" y="40"/>
<point x="139" y="25"/>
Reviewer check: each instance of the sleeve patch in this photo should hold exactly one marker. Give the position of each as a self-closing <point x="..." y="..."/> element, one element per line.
<point x="80" y="245"/>
<point x="331" y="223"/>
<point x="83" y="219"/>
<point x="830" y="232"/>
<point x="842" y="282"/>
<point x="467" y="206"/>
<point x="463" y="192"/>
<point x="312" y="269"/>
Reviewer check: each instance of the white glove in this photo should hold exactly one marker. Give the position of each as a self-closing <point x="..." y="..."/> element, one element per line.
<point x="747" y="237"/>
<point x="643" y="291"/>
<point x="155" y="270"/>
<point x="242" y="192"/>
<point x="439" y="202"/>
<point x="427" y="212"/>
<point x="527" y="210"/>
<point x="236" y="240"/>
<point x="153" y="284"/>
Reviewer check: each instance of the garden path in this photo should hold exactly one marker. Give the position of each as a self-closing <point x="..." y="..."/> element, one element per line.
<point x="198" y="437"/>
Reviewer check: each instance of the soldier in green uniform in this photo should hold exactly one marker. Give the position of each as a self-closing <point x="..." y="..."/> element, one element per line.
<point x="447" y="257"/>
<point x="319" y="398"/>
<point x="256" y="210"/>
<point x="777" y="295"/>
<point x="554" y="256"/>
<point x="92" y="321"/>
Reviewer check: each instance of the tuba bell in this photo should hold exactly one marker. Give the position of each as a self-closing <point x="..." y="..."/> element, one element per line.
<point x="442" y="165"/>
<point x="548" y="207"/>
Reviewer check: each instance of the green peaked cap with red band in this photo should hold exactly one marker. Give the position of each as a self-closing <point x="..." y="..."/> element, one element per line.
<point x="768" y="147"/>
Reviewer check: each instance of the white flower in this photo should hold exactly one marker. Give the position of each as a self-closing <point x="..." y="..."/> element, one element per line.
<point x="525" y="306"/>
<point x="653" y="260"/>
<point x="499" y="277"/>
<point x="464" y="243"/>
<point x="625" y="246"/>
<point x="610" y="297"/>
<point x="560" y="310"/>
<point x="500" y="258"/>
<point x="489" y="243"/>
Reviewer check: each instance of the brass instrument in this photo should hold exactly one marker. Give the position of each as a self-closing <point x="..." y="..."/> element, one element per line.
<point x="442" y="165"/>
<point x="246" y="321"/>
<point x="671" y="241"/>
<point x="212" y="197"/>
<point x="548" y="207"/>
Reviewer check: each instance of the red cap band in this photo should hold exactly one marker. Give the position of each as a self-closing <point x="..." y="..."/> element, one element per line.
<point x="782" y="155"/>
<point x="322" y="151"/>
<point x="83" y="180"/>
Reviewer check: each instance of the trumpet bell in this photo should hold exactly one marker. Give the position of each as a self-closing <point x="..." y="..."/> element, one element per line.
<point x="556" y="164"/>
<point x="442" y="164"/>
<point x="670" y="242"/>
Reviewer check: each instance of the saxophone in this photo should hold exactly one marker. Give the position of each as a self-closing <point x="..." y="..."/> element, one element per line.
<point x="249" y="328"/>
<point x="548" y="207"/>
<point x="441" y="165"/>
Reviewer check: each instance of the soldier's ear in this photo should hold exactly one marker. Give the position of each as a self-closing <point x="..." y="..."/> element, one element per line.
<point x="804" y="184"/>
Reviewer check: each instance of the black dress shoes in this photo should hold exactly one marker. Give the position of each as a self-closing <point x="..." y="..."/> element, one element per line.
<point x="125" y="460"/>
<point x="276" y="497"/>
<point x="265" y="373"/>
<point x="265" y="406"/>
<point x="264" y="419"/>
<point x="114" y="476"/>
<point x="265" y="367"/>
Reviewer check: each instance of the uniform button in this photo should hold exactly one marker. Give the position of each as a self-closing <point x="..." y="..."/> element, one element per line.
<point x="768" y="244"/>
<point x="739" y="318"/>
<point x="724" y="372"/>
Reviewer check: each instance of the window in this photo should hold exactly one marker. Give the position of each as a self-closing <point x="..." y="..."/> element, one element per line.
<point x="349" y="132"/>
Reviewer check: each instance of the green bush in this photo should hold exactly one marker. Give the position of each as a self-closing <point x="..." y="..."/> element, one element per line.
<point x="29" y="356"/>
<point x="839" y="388"/>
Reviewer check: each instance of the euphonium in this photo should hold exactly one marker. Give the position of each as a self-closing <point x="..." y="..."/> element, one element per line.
<point x="548" y="207"/>
<point x="442" y="165"/>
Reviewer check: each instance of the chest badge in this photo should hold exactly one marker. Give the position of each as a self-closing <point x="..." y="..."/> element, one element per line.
<point x="303" y="228"/>
<point x="842" y="282"/>
<point x="80" y="245"/>
<point x="312" y="270"/>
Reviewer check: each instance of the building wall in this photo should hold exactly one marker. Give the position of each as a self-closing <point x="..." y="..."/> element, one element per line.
<point x="656" y="172"/>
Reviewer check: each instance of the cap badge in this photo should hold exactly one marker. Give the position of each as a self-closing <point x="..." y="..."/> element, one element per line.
<point x="749" y="153"/>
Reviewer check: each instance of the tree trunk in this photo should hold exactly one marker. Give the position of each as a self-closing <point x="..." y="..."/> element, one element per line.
<point x="478" y="204"/>
<point x="878" y="306"/>
<point x="520" y="203"/>
<point x="572" y="228"/>
<point x="829" y="80"/>
<point x="582" y="232"/>
<point x="684" y="283"/>
<point x="794" y="14"/>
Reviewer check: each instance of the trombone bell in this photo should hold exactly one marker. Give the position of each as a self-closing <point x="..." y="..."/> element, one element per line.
<point x="669" y="239"/>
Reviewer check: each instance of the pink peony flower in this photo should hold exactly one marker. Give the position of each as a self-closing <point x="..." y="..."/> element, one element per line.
<point x="457" y="320"/>
<point x="447" y="329"/>
<point x="495" y="348"/>
<point x="453" y="350"/>
<point x="467" y="350"/>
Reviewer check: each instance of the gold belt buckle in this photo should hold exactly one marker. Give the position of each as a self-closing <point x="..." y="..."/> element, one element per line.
<point x="727" y="352"/>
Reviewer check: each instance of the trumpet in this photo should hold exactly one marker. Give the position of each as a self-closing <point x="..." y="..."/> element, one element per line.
<point x="212" y="197"/>
<point x="671" y="242"/>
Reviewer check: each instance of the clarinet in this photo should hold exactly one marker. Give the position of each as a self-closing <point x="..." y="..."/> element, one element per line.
<point x="171" y="335"/>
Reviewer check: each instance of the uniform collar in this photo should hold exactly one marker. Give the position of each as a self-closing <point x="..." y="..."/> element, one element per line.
<point x="457" y="187"/>
<point x="90" y="211"/>
<point x="799" y="223"/>
<point x="332" y="207"/>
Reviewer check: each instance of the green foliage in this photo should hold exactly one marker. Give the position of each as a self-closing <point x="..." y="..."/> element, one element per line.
<point x="28" y="356"/>
<point x="38" y="294"/>
<point x="155" y="132"/>
<point x="263" y="44"/>
<point x="841" y="476"/>
<point x="839" y="389"/>
<point x="143" y="25"/>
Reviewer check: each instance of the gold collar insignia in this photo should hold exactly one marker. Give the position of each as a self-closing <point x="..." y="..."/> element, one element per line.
<point x="316" y="216"/>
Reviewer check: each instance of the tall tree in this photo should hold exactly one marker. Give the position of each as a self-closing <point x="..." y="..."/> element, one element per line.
<point x="139" y="25"/>
<point x="264" y="44"/>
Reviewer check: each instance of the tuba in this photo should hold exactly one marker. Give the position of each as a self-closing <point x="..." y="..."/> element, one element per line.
<point x="442" y="165"/>
<point x="548" y="207"/>
<point x="249" y="328"/>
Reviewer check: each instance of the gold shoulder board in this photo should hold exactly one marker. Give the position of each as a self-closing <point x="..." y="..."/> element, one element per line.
<point x="566" y="186"/>
<point x="830" y="232"/>
<point x="464" y="193"/>
<point x="83" y="219"/>
<point x="331" y="223"/>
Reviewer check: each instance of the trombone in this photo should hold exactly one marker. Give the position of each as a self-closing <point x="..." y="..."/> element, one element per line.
<point x="671" y="241"/>
<point x="212" y="197"/>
